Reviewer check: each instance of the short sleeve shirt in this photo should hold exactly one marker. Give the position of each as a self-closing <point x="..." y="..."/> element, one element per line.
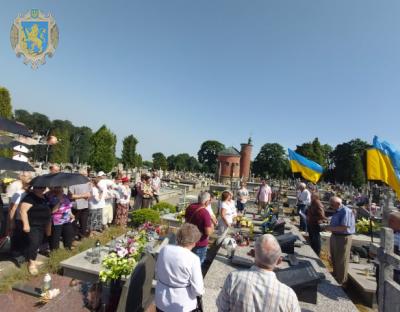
<point x="63" y="214"/>
<point x="344" y="216"/>
<point x="201" y="219"/>
<point x="78" y="190"/>
<point x="39" y="214"/>
<point x="16" y="199"/>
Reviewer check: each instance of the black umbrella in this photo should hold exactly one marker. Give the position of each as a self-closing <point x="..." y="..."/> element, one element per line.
<point x="59" y="179"/>
<point x="14" y="127"/>
<point x="14" y="165"/>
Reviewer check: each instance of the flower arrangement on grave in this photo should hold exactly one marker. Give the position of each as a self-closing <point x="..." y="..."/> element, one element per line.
<point x="123" y="258"/>
<point x="244" y="222"/>
<point x="181" y="216"/>
<point x="363" y="226"/>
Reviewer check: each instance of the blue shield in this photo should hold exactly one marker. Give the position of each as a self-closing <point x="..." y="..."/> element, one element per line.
<point x="36" y="36"/>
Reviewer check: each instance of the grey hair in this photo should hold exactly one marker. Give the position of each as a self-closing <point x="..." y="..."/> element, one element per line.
<point x="302" y="185"/>
<point x="187" y="234"/>
<point x="204" y="197"/>
<point x="267" y="251"/>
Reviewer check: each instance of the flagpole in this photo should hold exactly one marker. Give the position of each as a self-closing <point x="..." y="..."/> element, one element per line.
<point x="370" y="210"/>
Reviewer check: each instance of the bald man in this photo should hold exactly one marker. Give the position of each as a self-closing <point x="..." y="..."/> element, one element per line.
<point x="342" y="227"/>
<point x="258" y="289"/>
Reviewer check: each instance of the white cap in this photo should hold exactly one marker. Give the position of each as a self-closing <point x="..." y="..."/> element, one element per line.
<point x="101" y="174"/>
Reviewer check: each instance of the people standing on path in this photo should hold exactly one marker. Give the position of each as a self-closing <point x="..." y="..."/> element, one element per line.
<point x="105" y="185"/>
<point x="198" y="215"/>
<point x="62" y="218"/>
<point x="342" y="227"/>
<point x="263" y="196"/>
<point x="242" y="198"/>
<point x="96" y="205"/>
<point x="315" y="216"/>
<point x="81" y="194"/>
<point x="123" y="199"/>
<point x="35" y="216"/>
<point x="156" y="186"/>
<point x="19" y="239"/>
<point x="227" y="212"/>
<point x="178" y="273"/>
<point x="257" y="289"/>
<point x="146" y="192"/>
<point x="303" y="202"/>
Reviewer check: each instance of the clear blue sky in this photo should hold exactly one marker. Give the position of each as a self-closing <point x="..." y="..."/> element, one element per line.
<point x="177" y="72"/>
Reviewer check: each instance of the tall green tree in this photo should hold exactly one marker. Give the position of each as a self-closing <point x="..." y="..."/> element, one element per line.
<point x="349" y="162"/>
<point x="171" y="160"/>
<point x="59" y="152"/>
<point x="102" y="149"/>
<point x="208" y="155"/>
<point x="320" y="153"/>
<point x="80" y="145"/>
<point x="138" y="160"/>
<point x="181" y="162"/>
<point x="5" y="103"/>
<point x="271" y="161"/>
<point x="159" y="161"/>
<point x="129" y="158"/>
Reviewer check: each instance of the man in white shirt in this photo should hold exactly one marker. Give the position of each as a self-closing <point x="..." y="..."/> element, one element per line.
<point x="178" y="272"/>
<point x="303" y="202"/>
<point x="257" y="289"/>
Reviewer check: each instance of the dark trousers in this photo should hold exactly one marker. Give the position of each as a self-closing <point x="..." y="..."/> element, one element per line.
<point x="157" y="198"/>
<point x="81" y="222"/>
<point x="303" y="209"/>
<point x="35" y="238"/>
<point x="19" y="239"/>
<point x="67" y="232"/>
<point x="315" y="237"/>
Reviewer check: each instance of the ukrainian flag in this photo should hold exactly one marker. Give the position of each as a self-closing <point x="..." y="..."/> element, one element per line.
<point x="309" y="169"/>
<point x="383" y="164"/>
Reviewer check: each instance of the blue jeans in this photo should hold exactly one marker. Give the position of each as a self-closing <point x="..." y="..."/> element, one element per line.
<point x="201" y="252"/>
<point x="302" y="211"/>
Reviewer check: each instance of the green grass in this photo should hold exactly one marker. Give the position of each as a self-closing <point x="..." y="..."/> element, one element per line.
<point x="56" y="257"/>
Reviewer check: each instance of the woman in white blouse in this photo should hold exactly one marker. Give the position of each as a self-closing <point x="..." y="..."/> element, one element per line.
<point x="178" y="271"/>
<point x="227" y="212"/>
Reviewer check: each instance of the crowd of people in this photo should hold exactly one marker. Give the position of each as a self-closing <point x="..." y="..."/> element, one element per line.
<point x="39" y="218"/>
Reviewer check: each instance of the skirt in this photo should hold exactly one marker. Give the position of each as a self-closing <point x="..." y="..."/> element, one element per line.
<point x="95" y="220"/>
<point x="121" y="217"/>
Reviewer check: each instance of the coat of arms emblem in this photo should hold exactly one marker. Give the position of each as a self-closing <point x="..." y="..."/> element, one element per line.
<point x="34" y="35"/>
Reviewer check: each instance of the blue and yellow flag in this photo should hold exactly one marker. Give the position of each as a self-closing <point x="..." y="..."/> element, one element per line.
<point x="383" y="164"/>
<point x="309" y="169"/>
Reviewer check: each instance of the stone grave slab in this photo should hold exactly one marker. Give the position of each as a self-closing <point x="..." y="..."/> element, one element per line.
<point x="365" y="285"/>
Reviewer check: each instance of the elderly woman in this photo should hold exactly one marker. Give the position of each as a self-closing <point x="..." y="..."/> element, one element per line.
<point x="227" y="212"/>
<point x="61" y="215"/>
<point x="96" y="206"/>
<point x="35" y="217"/>
<point x="123" y="199"/>
<point x="179" y="277"/>
<point x="146" y="191"/>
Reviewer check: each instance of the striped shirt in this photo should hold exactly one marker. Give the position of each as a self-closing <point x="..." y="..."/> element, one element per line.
<point x="256" y="290"/>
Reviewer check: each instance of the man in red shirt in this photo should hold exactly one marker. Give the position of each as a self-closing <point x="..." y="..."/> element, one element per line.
<point x="198" y="215"/>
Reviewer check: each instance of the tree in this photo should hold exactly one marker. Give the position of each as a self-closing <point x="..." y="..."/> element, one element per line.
<point x="59" y="152"/>
<point x="147" y="163"/>
<point x="129" y="158"/>
<point x="208" y="155"/>
<point x="181" y="162"/>
<point x="316" y="152"/>
<point x="102" y="150"/>
<point x="193" y="165"/>
<point x="349" y="162"/>
<point x="80" y="145"/>
<point x="271" y="161"/>
<point x="138" y="160"/>
<point x="171" y="160"/>
<point x="5" y="103"/>
<point x="159" y="161"/>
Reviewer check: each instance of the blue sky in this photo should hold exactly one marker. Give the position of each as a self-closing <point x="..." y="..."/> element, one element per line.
<point x="177" y="72"/>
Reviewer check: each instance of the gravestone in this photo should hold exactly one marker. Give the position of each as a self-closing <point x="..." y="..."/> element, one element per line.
<point x="137" y="293"/>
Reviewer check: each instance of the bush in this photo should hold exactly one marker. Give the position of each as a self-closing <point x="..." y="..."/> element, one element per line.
<point x="162" y="206"/>
<point x="138" y="217"/>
